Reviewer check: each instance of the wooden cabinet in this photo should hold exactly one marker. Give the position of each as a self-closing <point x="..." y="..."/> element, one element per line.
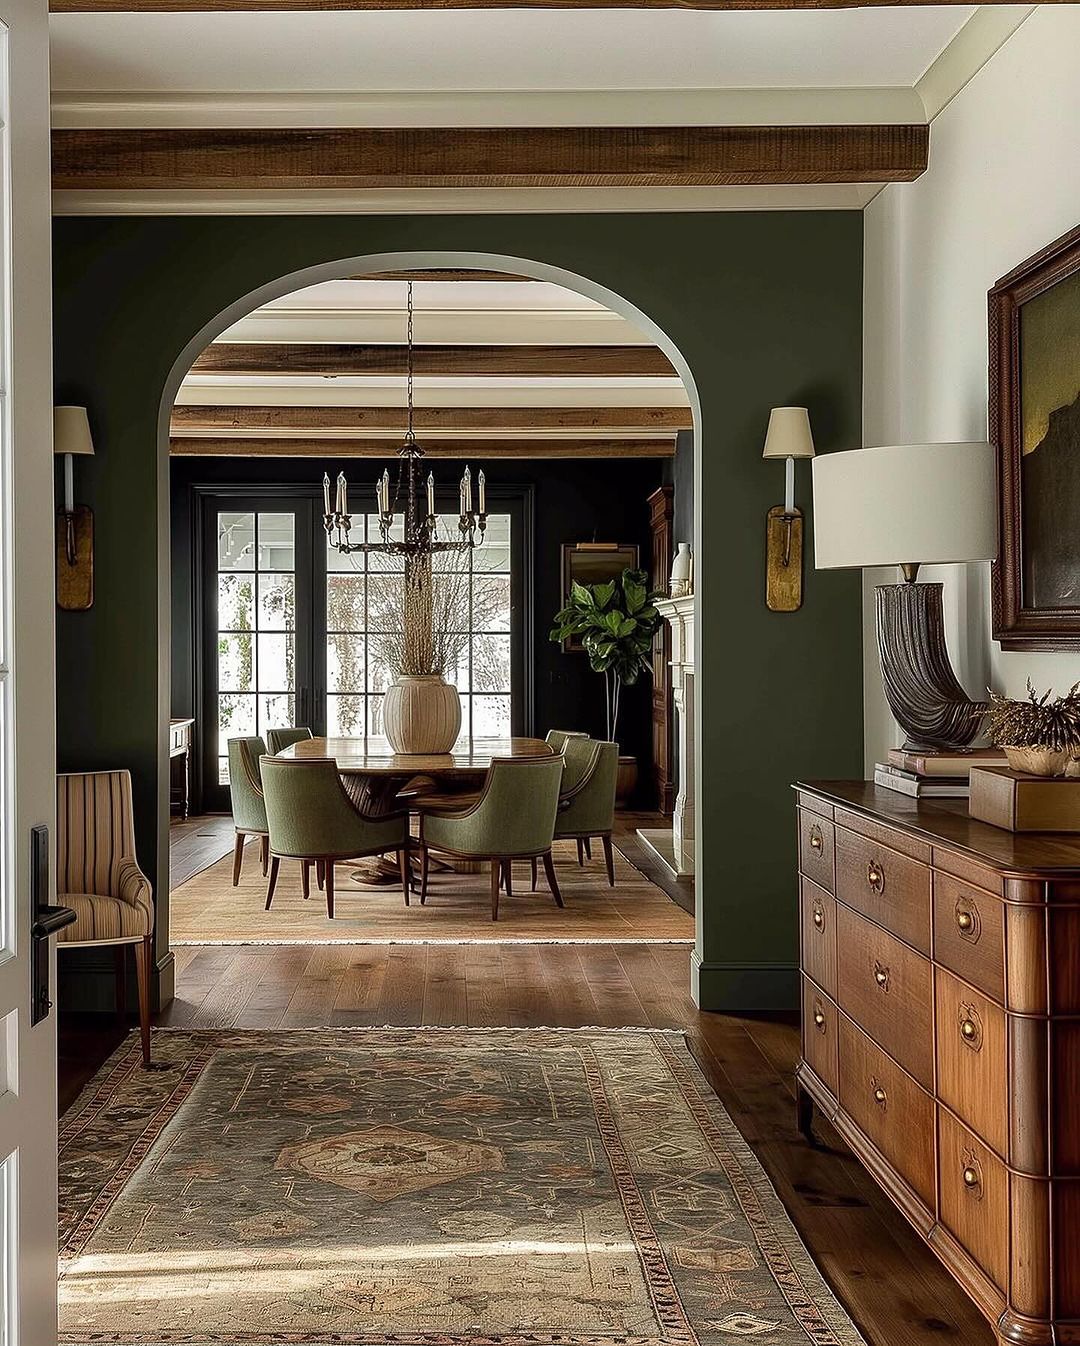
<point x="941" y="1035"/>
<point x="661" y="513"/>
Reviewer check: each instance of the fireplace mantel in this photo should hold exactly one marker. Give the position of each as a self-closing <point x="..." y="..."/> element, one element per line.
<point x="675" y="848"/>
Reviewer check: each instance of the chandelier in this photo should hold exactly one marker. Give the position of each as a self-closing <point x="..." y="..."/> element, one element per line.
<point x="415" y="499"/>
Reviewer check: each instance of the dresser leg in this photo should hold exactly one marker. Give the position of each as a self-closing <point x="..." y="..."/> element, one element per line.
<point x="804" y="1113"/>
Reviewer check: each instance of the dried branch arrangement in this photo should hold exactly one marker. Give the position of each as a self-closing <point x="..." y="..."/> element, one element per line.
<point x="1037" y="722"/>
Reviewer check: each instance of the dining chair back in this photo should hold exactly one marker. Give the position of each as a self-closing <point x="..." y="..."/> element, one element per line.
<point x="312" y="819"/>
<point x="246" y="796"/>
<point x="557" y="738"/>
<point x="587" y="805"/>
<point x="277" y="740"/>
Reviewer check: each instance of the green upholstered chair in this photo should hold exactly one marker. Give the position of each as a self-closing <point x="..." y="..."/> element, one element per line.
<point x="557" y="738"/>
<point x="277" y="740"/>
<point x="587" y="801"/>
<point x="245" y="791"/>
<point x="313" y="820"/>
<point x="513" y="819"/>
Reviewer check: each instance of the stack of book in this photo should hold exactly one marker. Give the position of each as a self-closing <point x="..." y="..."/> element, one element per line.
<point x="934" y="775"/>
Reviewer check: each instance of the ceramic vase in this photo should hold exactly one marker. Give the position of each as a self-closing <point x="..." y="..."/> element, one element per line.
<point x="422" y="715"/>
<point x="1042" y="761"/>
<point x="682" y="570"/>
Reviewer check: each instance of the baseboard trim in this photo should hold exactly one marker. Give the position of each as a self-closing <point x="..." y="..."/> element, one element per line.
<point x="733" y="988"/>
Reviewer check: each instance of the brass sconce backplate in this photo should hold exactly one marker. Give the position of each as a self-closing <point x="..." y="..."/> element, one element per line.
<point x="75" y="579"/>
<point x="783" y="559"/>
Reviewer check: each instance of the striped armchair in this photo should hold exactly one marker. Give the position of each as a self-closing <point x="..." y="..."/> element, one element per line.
<point x="99" y="878"/>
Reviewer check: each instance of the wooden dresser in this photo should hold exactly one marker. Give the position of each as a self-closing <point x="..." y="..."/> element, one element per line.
<point x="941" y="1035"/>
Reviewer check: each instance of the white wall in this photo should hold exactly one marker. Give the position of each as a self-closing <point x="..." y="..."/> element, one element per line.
<point x="1004" y="180"/>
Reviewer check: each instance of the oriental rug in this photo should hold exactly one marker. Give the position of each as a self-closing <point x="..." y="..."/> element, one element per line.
<point x="418" y="1187"/>
<point x="207" y="909"/>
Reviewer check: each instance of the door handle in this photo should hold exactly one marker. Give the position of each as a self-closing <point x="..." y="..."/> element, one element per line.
<point x="45" y="921"/>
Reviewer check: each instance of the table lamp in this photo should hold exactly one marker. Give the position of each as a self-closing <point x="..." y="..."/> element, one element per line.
<point x="787" y="437"/>
<point x="909" y="505"/>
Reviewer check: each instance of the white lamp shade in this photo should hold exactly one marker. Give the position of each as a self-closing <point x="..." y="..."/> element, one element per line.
<point x="921" y="503"/>
<point x="788" y="435"/>
<point x="71" y="430"/>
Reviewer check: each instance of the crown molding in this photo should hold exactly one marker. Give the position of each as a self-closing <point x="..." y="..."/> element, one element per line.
<point x="984" y="34"/>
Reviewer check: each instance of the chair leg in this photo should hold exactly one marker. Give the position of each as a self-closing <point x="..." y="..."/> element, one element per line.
<point x="580" y="851"/>
<point x="320" y="873"/>
<point x="508" y="875"/>
<point x="533" y="862"/>
<point x="553" y="882"/>
<point x="265" y="846"/>
<point x="305" y="878"/>
<point x="330" y="889"/>
<point x="496" y="870"/>
<point x="120" y="965"/>
<point x="143" y="955"/>
<point x="423" y="873"/>
<point x="588" y="847"/>
<point x="609" y="860"/>
<point x="272" y="884"/>
<point x="404" y="864"/>
<point x="238" y="858"/>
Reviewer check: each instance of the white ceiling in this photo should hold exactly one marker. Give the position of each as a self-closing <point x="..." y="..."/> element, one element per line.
<point x="499" y="50"/>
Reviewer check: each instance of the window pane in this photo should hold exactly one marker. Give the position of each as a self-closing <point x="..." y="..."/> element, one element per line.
<point x="276" y="711"/>
<point x="347" y="562"/>
<point x="345" y="716"/>
<point x="276" y="545"/>
<point x="375" y="720"/>
<point x="491" y="603"/>
<point x="223" y="770"/>
<point x="277" y="603"/>
<point x="236" y="605"/>
<point x="236" y="668"/>
<point x="378" y="561"/>
<point x="345" y="663"/>
<point x="236" y="541"/>
<point x="345" y="602"/>
<point x="491" y="663"/>
<point x="236" y="718"/>
<point x="378" y="669"/>
<point x="386" y="598"/>
<point x="491" y="716"/>
<point x="277" y="663"/>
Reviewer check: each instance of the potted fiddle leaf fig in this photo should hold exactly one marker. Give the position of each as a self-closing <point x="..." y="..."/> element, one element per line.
<point x="615" y="622"/>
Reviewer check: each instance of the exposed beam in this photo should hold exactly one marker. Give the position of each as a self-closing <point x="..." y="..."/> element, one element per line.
<point x="235" y="357"/>
<point x="536" y="447"/>
<point x="190" y="6"/>
<point x="274" y="158"/>
<point x="268" y="420"/>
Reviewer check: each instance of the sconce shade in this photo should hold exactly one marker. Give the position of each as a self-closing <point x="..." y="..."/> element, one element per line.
<point x="71" y="430"/>
<point x="788" y="435"/>
<point x="902" y="504"/>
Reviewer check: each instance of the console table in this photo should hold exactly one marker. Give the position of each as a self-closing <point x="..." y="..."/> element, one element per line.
<point x="180" y="765"/>
<point x="941" y="1035"/>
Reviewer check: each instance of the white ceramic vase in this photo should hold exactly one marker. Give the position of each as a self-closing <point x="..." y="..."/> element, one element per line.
<point x="422" y="715"/>
<point x="681" y="580"/>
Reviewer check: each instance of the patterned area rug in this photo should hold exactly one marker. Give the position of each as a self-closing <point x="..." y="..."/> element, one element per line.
<point x="419" y="1187"/>
<point x="209" y="910"/>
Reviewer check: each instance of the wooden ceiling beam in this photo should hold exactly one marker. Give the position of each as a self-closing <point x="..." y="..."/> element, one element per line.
<point x="268" y="420"/>
<point x="194" y="6"/>
<point x="474" y="449"/>
<point x="324" y="358"/>
<point x="275" y="158"/>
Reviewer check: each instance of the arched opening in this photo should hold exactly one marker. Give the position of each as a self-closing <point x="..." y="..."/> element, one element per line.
<point x="388" y="264"/>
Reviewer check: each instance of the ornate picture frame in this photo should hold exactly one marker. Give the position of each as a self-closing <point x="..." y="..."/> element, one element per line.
<point x="1035" y="410"/>
<point x="594" y="563"/>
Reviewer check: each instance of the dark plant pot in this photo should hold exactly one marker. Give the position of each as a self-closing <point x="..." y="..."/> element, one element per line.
<point x="626" y="781"/>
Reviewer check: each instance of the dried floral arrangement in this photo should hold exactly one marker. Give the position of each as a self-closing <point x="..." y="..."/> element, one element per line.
<point x="1037" y="722"/>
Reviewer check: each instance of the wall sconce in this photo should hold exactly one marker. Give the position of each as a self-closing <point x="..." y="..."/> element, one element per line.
<point x="788" y="437"/>
<point x="74" y="525"/>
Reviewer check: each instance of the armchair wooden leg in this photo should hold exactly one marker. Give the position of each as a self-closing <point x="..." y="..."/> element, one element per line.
<point x="423" y="873"/>
<point x="330" y="889"/>
<point x="496" y="870"/>
<point x="144" y="952"/>
<point x="238" y="858"/>
<point x="580" y="851"/>
<point x="265" y="846"/>
<point x="274" y="864"/>
<point x="533" y="862"/>
<point x="609" y="860"/>
<point x="508" y="875"/>
<point x="588" y="847"/>
<point x="405" y="865"/>
<point x="553" y="882"/>
<point x="120" y="966"/>
<point x="305" y="878"/>
<point x="320" y="873"/>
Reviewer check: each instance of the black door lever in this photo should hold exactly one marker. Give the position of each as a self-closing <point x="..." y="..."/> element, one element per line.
<point x="45" y="920"/>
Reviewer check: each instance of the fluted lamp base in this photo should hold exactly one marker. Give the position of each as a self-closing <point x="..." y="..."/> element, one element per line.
<point x="921" y="688"/>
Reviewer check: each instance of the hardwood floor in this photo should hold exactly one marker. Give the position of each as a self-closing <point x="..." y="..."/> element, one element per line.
<point x="889" y="1282"/>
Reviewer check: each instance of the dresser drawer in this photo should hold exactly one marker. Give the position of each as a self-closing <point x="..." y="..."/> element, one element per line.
<point x="889" y="1108"/>
<point x="819" y="1034"/>
<point x="818" y="933"/>
<point x="890" y="888"/>
<point x="969" y="933"/>
<point x="887" y="989"/>
<point x="816" y="847"/>
<point x="972" y="1068"/>
<point x="973" y="1196"/>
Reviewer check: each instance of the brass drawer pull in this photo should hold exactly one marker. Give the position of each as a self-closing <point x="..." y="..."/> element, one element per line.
<point x="881" y="1098"/>
<point x="967" y="919"/>
<point x="819" y="1019"/>
<point x="875" y="876"/>
<point x="971" y="1030"/>
<point x="972" y="1174"/>
<point x="819" y="915"/>
<point x="881" y="976"/>
<point x="817" y="841"/>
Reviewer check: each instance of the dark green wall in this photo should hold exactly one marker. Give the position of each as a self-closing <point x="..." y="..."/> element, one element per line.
<point x="765" y="309"/>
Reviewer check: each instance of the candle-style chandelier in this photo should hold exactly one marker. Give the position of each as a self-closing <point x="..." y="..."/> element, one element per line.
<point x="420" y="536"/>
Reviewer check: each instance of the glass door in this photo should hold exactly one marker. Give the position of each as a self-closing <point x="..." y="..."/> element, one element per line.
<point x="256" y="660"/>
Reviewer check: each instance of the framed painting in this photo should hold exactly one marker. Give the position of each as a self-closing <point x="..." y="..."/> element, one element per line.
<point x="593" y="563"/>
<point x="1035" y="425"/>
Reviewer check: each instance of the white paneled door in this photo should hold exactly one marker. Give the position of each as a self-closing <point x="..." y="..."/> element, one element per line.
<point x="27" y="683"/>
